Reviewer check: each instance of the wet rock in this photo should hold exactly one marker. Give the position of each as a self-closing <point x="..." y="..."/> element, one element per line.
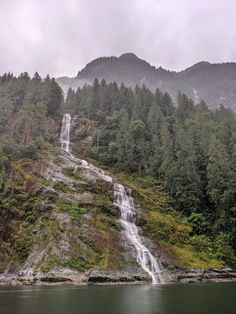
<point x="97" y="277"/>
<point x="205" y="275"/>
<point x="69" y="277"/>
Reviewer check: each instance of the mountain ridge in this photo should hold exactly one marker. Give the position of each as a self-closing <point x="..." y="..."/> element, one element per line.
<point x="214" y="83"/>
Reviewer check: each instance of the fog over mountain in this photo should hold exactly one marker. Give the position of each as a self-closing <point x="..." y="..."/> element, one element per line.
<point x="59" y="37"/>
<point x="213" y="83"/>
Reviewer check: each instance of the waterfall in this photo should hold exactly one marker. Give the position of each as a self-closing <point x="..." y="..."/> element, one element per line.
<point x="65" y="132"/>
<point x="195" y="96"/>
<point x="123" y="199"/>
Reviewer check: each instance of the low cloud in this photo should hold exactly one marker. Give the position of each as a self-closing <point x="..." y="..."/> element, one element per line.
<point x="60" y="37"/>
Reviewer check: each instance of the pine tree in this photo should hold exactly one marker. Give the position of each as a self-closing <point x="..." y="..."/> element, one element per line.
<point x="218" y="174"/>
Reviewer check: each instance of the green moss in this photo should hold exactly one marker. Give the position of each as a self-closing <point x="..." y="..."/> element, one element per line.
<point x="146" y="192"/>
<point x="71" y="207"/>
<point x="186" y="257"/>
<point x="89" y="242"/>
<point x="169" y="229"/>
<point x="166" y="227"/>
<point x="75" y="263"/>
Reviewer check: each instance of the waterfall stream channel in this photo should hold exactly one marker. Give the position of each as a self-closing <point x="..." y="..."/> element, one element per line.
<point x="125" y="202"/>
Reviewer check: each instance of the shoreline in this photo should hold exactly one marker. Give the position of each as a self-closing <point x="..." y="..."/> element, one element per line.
<point x="71" y="277"/>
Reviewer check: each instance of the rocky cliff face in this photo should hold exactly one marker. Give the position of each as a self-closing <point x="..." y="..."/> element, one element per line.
<point x="82" y="224"/>
<point x="77" y="236"/>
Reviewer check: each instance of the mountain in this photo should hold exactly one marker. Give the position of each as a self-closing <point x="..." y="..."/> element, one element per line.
<point x="127" y="69"/>
<point x="213" y="83"/>
<point x="113" y="185"/>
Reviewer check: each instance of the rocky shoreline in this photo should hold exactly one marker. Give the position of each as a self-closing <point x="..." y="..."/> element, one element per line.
<point x="70" y="277"/>
<point x="206" y="275"/>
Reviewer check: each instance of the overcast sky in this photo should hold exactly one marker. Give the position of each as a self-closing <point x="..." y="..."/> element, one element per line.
<point x="60" y="36"/>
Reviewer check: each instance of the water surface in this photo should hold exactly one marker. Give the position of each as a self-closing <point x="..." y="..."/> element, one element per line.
<point x="130" y="299"/>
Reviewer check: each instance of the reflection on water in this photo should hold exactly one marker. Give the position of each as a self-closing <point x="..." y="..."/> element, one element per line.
<point x="138" y="299"/>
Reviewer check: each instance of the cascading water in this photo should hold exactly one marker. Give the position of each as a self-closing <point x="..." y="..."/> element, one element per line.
<point x="195" y="96"/>
<point x="67" y="123"/>
<point x="65" y="132"/>
<point x="123" y="199"/>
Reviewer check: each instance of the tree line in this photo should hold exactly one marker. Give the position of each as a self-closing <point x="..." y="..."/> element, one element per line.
<point x="26" y="106"/>
<point x="188" y="148"/>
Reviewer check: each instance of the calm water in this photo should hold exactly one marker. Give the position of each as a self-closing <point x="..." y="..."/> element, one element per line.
<point x="140" y="299"/>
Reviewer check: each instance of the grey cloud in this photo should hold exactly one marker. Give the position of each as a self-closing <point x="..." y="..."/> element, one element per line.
<point x="60" y="37"/>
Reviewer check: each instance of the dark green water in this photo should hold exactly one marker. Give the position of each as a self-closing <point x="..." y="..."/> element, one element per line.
<point x="140" y="299"/>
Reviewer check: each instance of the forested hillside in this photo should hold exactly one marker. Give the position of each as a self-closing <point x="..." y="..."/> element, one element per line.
<point x="28" y="107"/>
<point x="29" y="110"/>
<point x="188" y="150"/>
<point x="180" y="163"/>
<point x="213" y="83"/>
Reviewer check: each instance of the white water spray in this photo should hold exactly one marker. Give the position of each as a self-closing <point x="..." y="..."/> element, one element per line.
<point x="67" y="123"/>
<point x="123" y="199"/>
<point x="195" y="96"/>
<point x="65" y="132"/>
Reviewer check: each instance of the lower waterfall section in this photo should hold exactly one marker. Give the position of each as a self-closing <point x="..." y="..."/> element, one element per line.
<point x="123" y="199"/>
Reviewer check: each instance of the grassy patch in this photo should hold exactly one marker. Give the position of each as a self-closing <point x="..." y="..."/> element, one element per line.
<point x="166" y="227"/>
<point x="71" y="207"/>
<point x="78" y="263"/>
<point x="186" y="257"/>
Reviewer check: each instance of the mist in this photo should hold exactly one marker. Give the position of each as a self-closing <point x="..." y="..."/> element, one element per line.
<point x="60" y="37"/>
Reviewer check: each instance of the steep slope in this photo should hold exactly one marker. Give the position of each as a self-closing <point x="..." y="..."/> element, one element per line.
<point x="75" y="227"/>
<point x="214" y="83"/>
<point x="60" y="218"/>
<point x="71" y="231"/>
